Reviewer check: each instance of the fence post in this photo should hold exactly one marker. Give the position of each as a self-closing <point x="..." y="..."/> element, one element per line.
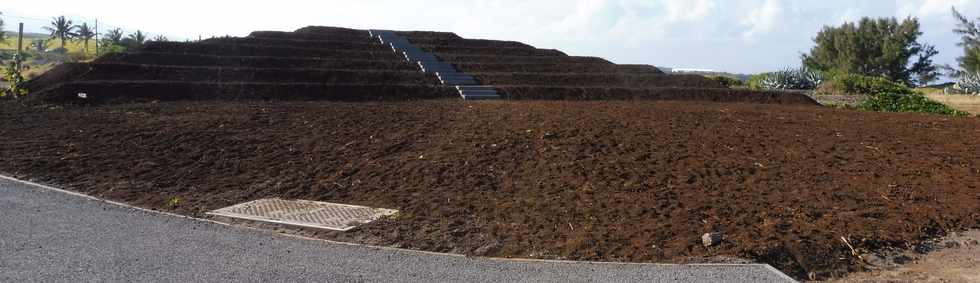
<point x="97" y="38"/>
<point x="20" y="46"/>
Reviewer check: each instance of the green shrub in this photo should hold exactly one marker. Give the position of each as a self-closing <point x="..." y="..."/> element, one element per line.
<point x="15" y="80"/>
<point x="851" y="84"/>
<point x="888" y="96"/>
<point x="755" y="82"/>
<point x="915" y="102"/>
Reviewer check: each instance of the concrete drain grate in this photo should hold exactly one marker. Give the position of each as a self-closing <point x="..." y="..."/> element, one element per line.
<point x="313" y="214"/>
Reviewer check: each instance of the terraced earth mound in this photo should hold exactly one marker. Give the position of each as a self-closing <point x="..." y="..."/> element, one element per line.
<point x="333" y="64"/>
<point x="340" y="64"/>
<point x="329" y="114"/>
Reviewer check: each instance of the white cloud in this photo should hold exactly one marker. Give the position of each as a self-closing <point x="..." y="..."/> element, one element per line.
<point x="688" y="10"/>
<point x="763" y="19"/>
<point x="928" y="8"/>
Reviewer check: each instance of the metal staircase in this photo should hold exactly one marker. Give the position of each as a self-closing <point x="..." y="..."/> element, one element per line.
<point x="466" y="85"/>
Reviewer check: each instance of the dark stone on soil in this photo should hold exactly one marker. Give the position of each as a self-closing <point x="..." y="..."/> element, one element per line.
<point x="953" y="245"/>
<point x="902" y="259"/>
<point x="486" y="249"/>
<point x="926" y="247"/>
<point x="711" y="239"/>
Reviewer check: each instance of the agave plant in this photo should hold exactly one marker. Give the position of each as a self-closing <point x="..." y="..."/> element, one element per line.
<point x="969" y="83"/>
<point x="799" y="79"/>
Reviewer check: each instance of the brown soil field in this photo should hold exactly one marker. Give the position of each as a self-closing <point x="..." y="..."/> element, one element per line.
<point x="128" y="71"/>
<point x="580" y="68"/>
<point x="633" y="181"/>
<point x="633" y="68"/>
<point x="111" y="92"/>
<point x="359" y="37"/>
<point x="653" y="93"/>
<point x="302" y="43"/>
<point x="185" y="59"/>
<point x="468" y="42"/>
<point x="623" y="80"/>
<point x="430" y="34"/>
<point x="265" y="50"/>
<point x="493" y="59"/>
<point x="333" y="31"/>
<point x="496" y="51"/>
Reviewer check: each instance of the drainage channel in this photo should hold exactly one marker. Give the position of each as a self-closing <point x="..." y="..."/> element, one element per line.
<point x="428" y="63"/>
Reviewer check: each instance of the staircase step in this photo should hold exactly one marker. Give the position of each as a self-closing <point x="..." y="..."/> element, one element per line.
<point x="480" y="97"/>
<point x="437" y="70"/>
<point x="455" y="76"/>
<point x="457" y="80"/>
<point x="458" y="83"/>
<point x="478" y="92"/>
<point x="465" y="84"/>
<point x="476" y="88"/>
<point x="448" y="70"/>
<point x="434" y="63"/>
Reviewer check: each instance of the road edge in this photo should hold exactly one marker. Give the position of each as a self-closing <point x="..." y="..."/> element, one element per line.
<point x="241" y="227"/>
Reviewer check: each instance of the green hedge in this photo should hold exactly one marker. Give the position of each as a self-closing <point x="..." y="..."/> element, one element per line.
<point x="888" y="96"/>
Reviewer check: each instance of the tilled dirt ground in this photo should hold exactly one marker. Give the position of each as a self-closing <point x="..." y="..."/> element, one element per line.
<point x="609" y="181"/>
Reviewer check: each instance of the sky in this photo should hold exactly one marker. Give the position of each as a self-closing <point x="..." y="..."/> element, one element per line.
<point x="743" y="36"/>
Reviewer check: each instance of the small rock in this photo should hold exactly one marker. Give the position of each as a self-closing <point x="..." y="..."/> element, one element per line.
<point x="874" y="260"/>
<point x="549" y="136"/>
<point x="711" y="239"/>
<point x="973" y="243"/>
<point x="902" y="259"/>
<point x="485" y="249"/>
<point x="953" y="245"/>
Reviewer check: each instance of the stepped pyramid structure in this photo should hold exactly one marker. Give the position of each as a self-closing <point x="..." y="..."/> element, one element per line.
<point x="341" y="64"/>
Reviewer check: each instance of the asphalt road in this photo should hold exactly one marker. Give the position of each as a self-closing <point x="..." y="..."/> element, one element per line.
<point x="52" y="236"/>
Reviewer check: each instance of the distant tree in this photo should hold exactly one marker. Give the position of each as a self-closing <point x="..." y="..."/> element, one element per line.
<point x="61" y="28"/>
<point x="134" y="40"/>
<point x="40" y="45"/>
<point x="969" y="32"/>
<point x="3" y="35"/>
<point x="114" y="36"/>
<point x="112" y="42"/>
<point x="875" y="47"/>
<point x="84" y="33"/>
<point x="160" y="38"/>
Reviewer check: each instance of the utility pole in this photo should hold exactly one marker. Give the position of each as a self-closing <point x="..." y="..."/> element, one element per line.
<point x="97" y="38"/>
<point x="20" y="47"/>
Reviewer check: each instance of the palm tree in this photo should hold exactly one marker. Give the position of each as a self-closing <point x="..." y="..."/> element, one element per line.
<point x="136" y="39"/>
<point x="114" y="36"/>
<point x="61" y="28"/>
<point x="85" y="33"/>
